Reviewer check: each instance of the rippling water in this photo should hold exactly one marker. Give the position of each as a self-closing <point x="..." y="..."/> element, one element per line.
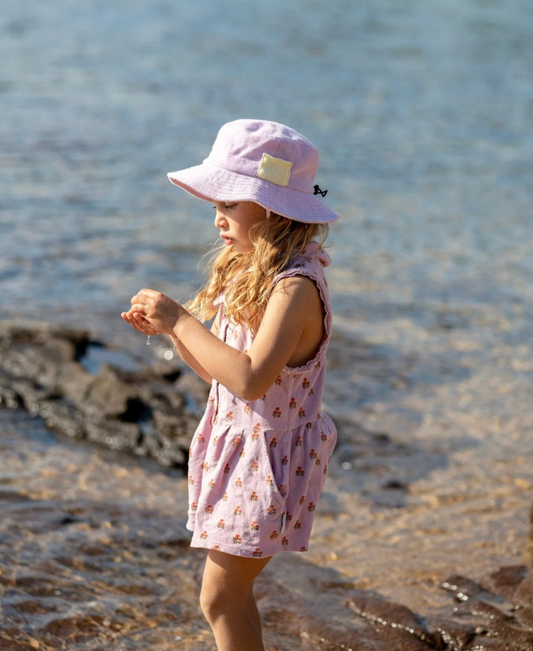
<point x="423" y="114"/>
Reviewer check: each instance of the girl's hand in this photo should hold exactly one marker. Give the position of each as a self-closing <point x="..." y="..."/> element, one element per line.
<point x="139" y="323"/>
<point x="157" y="313"/>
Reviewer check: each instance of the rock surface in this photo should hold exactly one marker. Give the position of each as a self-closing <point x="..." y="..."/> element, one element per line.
<point x="109" y="560"/>
<point x="148" y="412"/>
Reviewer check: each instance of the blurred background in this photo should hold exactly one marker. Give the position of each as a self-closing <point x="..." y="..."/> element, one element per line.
<point x="422" y="112"/>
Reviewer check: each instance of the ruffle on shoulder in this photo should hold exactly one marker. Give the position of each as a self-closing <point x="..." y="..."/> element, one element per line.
<point x="315" y="250"/>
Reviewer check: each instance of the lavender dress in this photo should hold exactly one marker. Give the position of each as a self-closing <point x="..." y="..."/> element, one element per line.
<point x="256" y="469"/>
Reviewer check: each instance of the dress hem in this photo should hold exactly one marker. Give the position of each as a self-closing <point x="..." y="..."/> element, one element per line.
<point x="245" y="552"/>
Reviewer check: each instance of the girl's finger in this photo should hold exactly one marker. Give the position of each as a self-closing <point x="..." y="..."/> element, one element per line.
<point x="143" y="324"/>
<point x="140" y="323"/>
<point x="146" y="326"/>
<point x="141" y="318"/>
<point x="133" y="323"/>
<point x="134" y="314"/>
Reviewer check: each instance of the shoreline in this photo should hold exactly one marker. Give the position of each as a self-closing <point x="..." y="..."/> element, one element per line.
<point x="390" y="532"/>
<point x="94" y="551"/>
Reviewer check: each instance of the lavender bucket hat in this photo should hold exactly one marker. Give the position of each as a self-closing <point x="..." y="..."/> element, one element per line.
<point x="264" y="162"/>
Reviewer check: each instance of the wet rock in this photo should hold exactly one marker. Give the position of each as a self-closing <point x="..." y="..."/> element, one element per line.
<point x="525" y="617"/>
<point x="462" y="587"/>
<point x="485" y="604"/>
<point x="523" y="595"/>
<point x="11" y="496"/>
<point x="394" y="484"/>
<point x="148" y="412"/>
<point x="41" y="332"/>
<point x="484" y="624"/>
<point x="506" y="580"/>
<point x="117" y="436"/>
<point x="111" y="397"/>
<point x="455" y="635"/>
<point x="481" y="609"/>
<point x="396" y="622"/>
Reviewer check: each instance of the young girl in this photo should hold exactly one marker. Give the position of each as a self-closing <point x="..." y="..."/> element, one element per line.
<point x="259" y="458"/>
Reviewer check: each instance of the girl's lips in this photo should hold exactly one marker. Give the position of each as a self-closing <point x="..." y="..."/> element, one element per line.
<point x="227" y="240"/>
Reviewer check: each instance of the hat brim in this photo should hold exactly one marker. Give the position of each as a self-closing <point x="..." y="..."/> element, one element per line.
<point x="211" y="183"/>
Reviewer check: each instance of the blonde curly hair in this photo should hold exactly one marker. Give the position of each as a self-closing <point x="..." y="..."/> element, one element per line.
<point x="276" y="240"/>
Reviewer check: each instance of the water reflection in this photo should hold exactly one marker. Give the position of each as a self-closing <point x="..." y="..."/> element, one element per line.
<point x="422" y="116"/>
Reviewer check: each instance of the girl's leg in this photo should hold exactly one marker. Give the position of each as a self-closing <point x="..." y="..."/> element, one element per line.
<point x="253" y="612"/>
<point x="228" y="603"/>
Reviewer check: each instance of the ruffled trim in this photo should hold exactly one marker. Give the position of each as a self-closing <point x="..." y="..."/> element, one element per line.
<point x="304" y="270"/>
<point x="246" y="552"/>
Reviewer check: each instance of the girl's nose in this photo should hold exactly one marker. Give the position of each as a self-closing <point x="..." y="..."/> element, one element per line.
<point x="220" y="220"/>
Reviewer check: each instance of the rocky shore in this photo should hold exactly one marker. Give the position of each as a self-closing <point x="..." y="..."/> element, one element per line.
<point x="151" y="412"/>
<point x="94" y="554"/>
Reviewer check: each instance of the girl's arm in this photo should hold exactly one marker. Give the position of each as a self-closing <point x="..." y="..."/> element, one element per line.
<point x="293" y="309"/>
<point x="189" y="359"/>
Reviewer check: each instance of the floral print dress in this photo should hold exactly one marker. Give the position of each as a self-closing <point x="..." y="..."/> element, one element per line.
<point x="256" y="469"/>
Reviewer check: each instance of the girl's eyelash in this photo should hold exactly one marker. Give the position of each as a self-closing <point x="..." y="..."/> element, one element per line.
<point x="227" y="206"/>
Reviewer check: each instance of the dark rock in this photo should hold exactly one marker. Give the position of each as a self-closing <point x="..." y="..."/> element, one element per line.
<point x="511" y="589"/>
<point x="480" y="608"/>
<point x="396" y="621"/>
<point x="512" y="638"/>
<point x="114" y="435"/>
<point x="68" y="519"/>
<point x="462" y="587"/>
<point x="59" y="350"/>
<point x="523" y="595"/>
<point x="61" y="417"/>
<point x="455" y="635"/>
<point x="395" y="484"/>
<point x="148" y="412"/>
<point x="8" y="396"/>
<point x="109" y="396"/>
<point x="33" y="332"/>
<point x="12" y="496"/>
<point x="506" y="580"/>
<point x="525" y="617"/>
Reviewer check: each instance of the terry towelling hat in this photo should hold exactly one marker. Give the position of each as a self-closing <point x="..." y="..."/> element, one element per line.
<point x="264" y="162"/>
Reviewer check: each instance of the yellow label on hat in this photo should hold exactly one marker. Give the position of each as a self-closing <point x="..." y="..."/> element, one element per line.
<point x="275" y="170"/>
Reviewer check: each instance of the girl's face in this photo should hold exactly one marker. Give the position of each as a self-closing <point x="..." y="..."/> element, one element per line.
<point x="235" y="220"/>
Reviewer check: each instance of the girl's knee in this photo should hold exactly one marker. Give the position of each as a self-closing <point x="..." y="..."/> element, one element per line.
<point x="209" y="603"/>
<point x="227" y="585"/>
<point x="216" y="601"/>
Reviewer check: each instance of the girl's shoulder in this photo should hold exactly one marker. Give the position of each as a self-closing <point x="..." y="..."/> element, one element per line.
<point x="310" y="262"/>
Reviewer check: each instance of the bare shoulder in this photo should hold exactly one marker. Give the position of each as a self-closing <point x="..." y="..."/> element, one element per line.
<point x="291" y="327"/>
<point x="303" y="311"/>
<point x="296" y="297"/>
<point x="299" y="287"/>
<point x="292" y="298"/>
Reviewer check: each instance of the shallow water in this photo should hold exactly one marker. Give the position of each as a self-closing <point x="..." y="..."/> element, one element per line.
<point x="423" y="116"/>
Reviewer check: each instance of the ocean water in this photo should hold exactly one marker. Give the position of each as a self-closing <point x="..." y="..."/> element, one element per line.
<point x="423" y="116"/>
<point x="421" y="113"/>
